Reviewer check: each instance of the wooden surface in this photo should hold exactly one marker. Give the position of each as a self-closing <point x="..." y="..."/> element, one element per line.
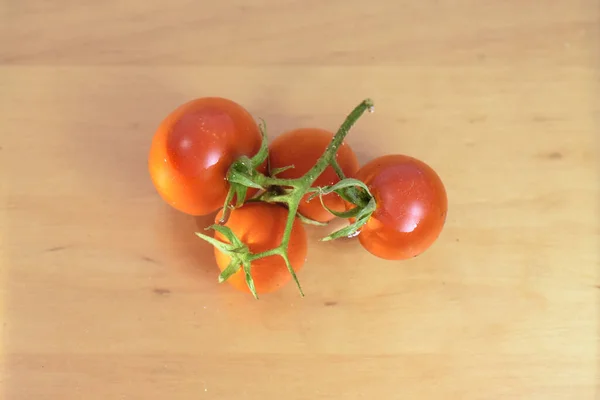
<point x="107" y="294"/>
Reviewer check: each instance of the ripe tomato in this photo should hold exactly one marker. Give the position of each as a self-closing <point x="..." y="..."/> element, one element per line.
<point x="193" y="148"/>
<point x="302" y="148"/>
<point x="411" y="207"/>
<point x="260" y="226"/>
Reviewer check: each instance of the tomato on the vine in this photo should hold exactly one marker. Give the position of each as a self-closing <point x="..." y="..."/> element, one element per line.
<point x="260" y="226"/>
<point x="302" y="148"/>
<point x="193" y="149"/>
<point x="411" y="207"/>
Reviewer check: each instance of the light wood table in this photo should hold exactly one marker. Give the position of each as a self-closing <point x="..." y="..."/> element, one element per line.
<point x="107" y="294"/>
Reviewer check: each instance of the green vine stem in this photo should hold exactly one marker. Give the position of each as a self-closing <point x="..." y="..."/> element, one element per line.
<point x="243" y="174"/>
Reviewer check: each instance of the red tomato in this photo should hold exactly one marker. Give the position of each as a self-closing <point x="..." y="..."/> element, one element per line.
<point x="193" y="148"/>
<point x="260" y="226"/>
<point x="302" y="148"/>
<point x="411" y="207"/>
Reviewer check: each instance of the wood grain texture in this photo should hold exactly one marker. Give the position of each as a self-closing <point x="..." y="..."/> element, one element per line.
<point x="105" y="293"/>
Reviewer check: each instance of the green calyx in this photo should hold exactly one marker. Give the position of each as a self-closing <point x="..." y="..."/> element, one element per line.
<point x="355" y="192"/>
<point x="242" y="257"/>
<point x="238" y="252"/>
<point x="244" y="174"/>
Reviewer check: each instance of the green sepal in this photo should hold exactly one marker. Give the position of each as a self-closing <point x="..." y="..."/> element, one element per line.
<point x="228" y="233"/>
<point x="276" y="171"/>
<point x="238" y="252"/>
<point x="343" y="193"/>
<point x="340" y="189"/>
<point x="310" y="221"/>
<point x="244" y="180"/>
<point x="362" y="217"/>
<point x="222" y="246"/>
<point x="240" y="194"/>
<point x="346" y="183"/>
<point x="292" y="272"/>
<point x="233" y="267"/>
<point x="249" y="280"/>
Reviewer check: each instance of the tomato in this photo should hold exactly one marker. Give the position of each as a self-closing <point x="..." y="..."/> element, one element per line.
<point x="302" y="148"/>
<point x="193" y="148"/>
<point x="411" y="207"/>
<point x="260" y="226"/>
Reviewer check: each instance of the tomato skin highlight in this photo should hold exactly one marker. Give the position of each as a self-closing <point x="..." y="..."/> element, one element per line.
<point x="193" y="148"/>
<point x="302" y="148"/>
<point x="260" y="226"/>
<point x="412" y="205"/>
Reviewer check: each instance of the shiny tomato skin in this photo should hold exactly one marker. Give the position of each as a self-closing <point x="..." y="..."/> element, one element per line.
<point x="192" y="150"/>
<point x="260" y="226"/>
<point x="411" y="207"/>
<point x="302" y="148"/>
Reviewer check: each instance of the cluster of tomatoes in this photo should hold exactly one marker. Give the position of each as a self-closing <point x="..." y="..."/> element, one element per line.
<point x="196" y="145"/>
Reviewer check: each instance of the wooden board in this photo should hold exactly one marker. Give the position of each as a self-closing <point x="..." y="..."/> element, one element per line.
<point x="107" y="294"/>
